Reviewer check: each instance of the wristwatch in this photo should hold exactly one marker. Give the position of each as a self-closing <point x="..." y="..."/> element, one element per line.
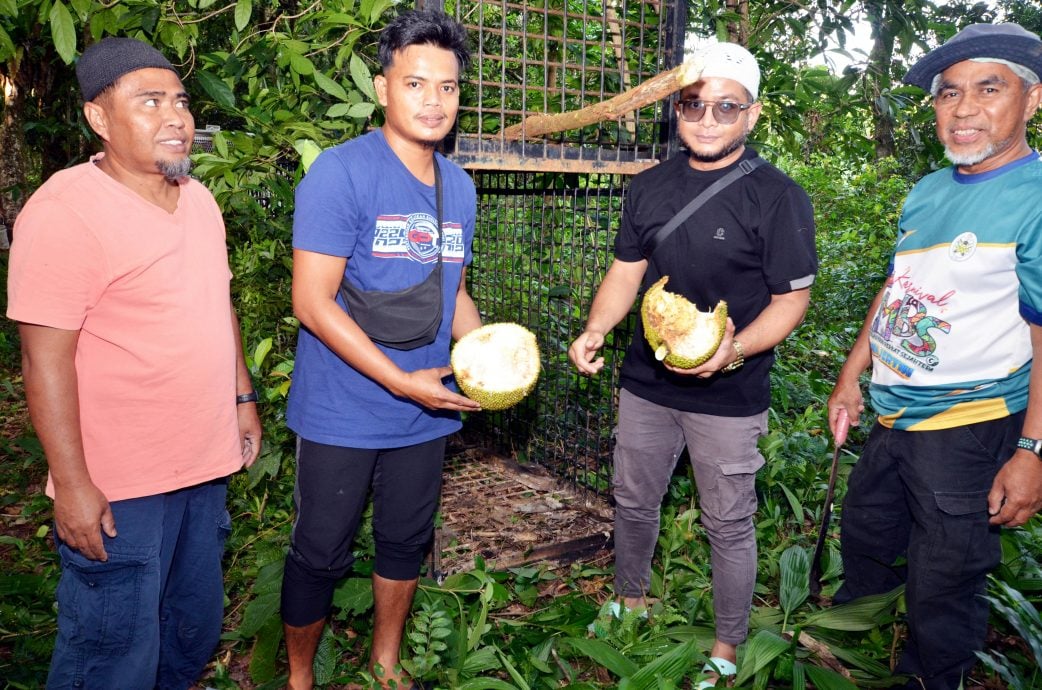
<point x="739" y="361"/>
<point x="1032" y="444"/>
<point x="246" y="397"/>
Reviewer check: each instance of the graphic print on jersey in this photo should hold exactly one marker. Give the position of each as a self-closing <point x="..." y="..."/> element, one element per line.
<point x="904" y="331"/>
<point x="416" y="237"/>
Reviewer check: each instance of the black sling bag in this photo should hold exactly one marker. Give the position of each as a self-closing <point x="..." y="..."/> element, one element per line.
<point x="403" y="319"/>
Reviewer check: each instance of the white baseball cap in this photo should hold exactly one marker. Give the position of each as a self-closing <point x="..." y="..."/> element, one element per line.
<point x="730" y="61"/>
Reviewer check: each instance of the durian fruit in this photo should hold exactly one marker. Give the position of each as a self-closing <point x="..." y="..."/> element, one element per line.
<point x="677" y="331"/>
<point x="497" y="365"/>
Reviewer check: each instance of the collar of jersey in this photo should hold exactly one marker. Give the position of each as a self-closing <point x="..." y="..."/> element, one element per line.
<point x="977" y="178"/>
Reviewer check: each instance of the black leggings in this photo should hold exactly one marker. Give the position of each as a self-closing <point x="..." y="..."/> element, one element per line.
<point x="330" y="495"/>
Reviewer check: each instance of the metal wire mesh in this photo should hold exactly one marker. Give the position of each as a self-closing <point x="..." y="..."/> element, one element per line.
<point x="549" y="206"/>
<point x="559" y="56"/>
<point x="542" y="245"/>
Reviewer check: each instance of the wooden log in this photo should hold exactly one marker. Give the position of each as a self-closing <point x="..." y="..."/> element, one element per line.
<point x="821" y="650"/>
<point x="655" y="89"/>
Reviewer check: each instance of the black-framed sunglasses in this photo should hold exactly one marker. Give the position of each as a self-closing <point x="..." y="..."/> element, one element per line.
<point x="724" y="112"/>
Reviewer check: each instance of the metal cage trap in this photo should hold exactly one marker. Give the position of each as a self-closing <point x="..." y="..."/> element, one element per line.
<point x="549" y="206"/>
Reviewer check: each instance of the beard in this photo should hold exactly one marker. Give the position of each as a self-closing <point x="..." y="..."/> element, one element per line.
<point x="723" y="152"/>
<point x="971" y="158"/>
<point x="174" y="170"/>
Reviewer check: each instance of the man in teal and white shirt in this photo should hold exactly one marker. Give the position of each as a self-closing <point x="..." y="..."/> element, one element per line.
<point x="955" y="451"/>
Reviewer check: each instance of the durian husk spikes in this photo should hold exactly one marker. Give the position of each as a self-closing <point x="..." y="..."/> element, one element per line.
<point x="496" y="365"/>
<point x="679" y="333"/>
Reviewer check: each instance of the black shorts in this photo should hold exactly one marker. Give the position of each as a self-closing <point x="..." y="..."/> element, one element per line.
<point x="332" y="486"/>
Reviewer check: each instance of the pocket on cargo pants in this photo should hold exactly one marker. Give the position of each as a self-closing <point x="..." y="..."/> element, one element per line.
<point x="107" y="633"/>
<point x="99" y="602"/>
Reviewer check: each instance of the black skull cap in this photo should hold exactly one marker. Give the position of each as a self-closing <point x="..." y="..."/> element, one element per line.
<point x="110" y="58"/>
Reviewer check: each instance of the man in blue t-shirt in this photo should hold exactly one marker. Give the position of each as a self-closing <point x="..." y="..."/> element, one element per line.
<point x="752" y="245"/>
<point x="954" y="454"/>
<point x="368" y="415"/>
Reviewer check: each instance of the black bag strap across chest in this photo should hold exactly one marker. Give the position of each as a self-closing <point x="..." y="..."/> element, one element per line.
<point x="744" y="168"/>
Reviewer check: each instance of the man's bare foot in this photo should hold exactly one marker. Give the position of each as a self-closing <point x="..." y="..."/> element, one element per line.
<point x="392" y="679"/>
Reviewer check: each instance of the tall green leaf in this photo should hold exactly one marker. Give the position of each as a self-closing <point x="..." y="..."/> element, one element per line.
<point x="603" y="654"/>
<point x="243" y="10"/>
<point x="330" y="86"/>
<point x="354" y="595"/>
<point x="799" y="675"/>
<point x="362" y="77"/>
<point x="1020" y="613"/>
<point x="671" y="666"/>
<point x="514" y="674"/>
<point x="7" y="48"/>
<point x="861" y="614"/>
<point x="216" y="89"/>
<point x="795" y="579"/>
<point x="265" y="650"/>
<point x="258" y="612"/>
<point x="761" y="650"/>
<point x="324" y="666"/>
<point x="827" y="679"/>
<point x="483" y="659"/>
<point x="486" y="684"/>
<point x="308" y="151"/>
<point x="63" y="32"/>
<point x="794" y="503"/>
<point x="478" y="628"/>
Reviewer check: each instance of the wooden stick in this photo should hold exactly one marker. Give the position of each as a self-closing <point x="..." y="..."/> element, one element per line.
<point x="655" y="89"/>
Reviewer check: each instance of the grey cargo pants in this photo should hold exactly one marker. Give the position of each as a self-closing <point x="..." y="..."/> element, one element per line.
<point x="725" y="459"/>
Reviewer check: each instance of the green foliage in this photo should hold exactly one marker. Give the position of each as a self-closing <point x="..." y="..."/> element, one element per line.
<point x="795" y="580"/>
<point x="431" y="624"/>
<point x="283" y="84"/>
<point x="1025" y="671"/>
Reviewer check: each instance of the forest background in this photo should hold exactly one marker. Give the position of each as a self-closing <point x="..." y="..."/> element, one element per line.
<point x="283" y="80"/>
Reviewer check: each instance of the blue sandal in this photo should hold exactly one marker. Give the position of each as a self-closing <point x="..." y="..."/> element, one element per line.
<point x="722" y="668"/>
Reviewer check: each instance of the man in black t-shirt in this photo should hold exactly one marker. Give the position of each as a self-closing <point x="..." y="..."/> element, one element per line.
<point x="751" y="245"/>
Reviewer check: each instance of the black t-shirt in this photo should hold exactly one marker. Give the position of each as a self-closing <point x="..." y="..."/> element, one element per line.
<point x="752" y="240"/>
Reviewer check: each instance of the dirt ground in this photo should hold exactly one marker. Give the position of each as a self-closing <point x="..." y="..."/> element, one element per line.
<point x="511" y="514"/>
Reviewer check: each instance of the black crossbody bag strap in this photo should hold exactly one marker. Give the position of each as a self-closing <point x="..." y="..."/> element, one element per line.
<point x="744" y="168"/>
<point x="441" y="232"/>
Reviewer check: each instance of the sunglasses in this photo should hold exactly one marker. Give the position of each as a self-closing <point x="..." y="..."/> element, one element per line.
<point x="724" y="112"/>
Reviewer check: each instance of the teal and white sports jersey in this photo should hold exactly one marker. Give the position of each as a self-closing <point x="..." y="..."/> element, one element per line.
<point x="951" y="341"/>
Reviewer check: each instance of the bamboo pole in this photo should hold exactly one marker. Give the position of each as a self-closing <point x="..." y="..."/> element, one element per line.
<point x="655" y="89"/>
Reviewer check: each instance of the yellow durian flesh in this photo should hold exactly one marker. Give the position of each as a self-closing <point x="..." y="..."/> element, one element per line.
<point x="496" y="365"/>
<point x="678" y="332"/>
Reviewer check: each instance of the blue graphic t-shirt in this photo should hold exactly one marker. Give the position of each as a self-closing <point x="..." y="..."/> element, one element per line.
<point x="359" y="201"/>
<point x="951" y="341"/>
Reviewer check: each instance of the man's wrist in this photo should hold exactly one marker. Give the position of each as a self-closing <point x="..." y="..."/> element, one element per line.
<point x="250" y="397"/>
<point x="739" y="359"/>
<point x="1032" y="445"/>
<point x="594" y="330"/>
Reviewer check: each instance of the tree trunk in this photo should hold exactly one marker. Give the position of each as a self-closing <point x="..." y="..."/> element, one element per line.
<point x="878" y="81"/>
<point x="738" y="31"/>
<point x="13" y="165"/>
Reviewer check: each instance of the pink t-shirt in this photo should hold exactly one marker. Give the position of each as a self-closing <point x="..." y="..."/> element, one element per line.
<point x="149" y="293"/>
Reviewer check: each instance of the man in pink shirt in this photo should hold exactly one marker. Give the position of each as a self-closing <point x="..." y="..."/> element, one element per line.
<point x="132" y="356"/>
